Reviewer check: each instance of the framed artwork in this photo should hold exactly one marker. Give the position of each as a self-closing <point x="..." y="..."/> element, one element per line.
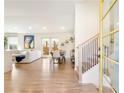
<point x="46" y="46"/>
<point x="29" y="41"/>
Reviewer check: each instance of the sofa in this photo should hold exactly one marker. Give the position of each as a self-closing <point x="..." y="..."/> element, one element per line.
<point x="30" y="56"/>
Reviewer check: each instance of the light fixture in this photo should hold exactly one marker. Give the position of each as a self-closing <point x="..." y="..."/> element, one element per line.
<point x="62" y="28"/>
<point x="29" y="27"/>
<point x="44" y="28"/>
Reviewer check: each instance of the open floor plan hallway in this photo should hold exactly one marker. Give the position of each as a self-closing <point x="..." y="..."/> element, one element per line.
<point x="38" y="77"/>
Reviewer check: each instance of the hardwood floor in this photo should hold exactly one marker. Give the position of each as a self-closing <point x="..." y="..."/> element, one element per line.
<point x="38" y="77"/>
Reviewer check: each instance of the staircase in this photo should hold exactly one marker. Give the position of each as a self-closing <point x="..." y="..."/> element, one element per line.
<point x="89" y="53"/>
<point x="88" y="63"/>
<point x="88" y="67"/>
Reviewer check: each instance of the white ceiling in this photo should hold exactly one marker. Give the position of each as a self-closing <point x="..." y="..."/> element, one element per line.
<point x="52" y="14"/>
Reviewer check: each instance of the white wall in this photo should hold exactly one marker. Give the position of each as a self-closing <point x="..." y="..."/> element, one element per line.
<point x="94" y="73"/>
<point x="39" y="36"/>
<point x="86" y="23"/>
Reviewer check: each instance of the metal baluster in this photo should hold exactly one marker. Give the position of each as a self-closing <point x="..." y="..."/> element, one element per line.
<point x="92" y="53"/>
<point x="89" y="55"/>
<point x="97" y="51"/>
<point x="96" y="55"/>
<point x="82" y="59"/>
<point x="88" y="50"/>
<point x="85" y="58"/>
<point x="87" y="45"/>
<point x="90" y="61"/>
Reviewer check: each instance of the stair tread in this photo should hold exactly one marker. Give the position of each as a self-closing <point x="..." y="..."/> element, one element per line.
<point x="84" y="65"/>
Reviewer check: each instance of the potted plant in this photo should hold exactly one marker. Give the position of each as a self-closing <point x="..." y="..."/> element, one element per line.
<point x="5" y="42"/>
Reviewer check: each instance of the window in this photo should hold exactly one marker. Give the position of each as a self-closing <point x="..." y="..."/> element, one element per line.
<point x="12" y="42"/>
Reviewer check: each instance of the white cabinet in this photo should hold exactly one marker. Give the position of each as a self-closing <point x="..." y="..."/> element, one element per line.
<point x="7" y="61"/>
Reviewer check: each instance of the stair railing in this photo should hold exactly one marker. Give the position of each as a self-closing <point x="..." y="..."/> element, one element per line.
<point x="88" y="53"/>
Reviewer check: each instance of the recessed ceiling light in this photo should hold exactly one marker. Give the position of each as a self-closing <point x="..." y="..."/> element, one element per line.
<point x="44" y="28"/>
<point x="63" y="28"/>
<point x="29" y="27"/>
